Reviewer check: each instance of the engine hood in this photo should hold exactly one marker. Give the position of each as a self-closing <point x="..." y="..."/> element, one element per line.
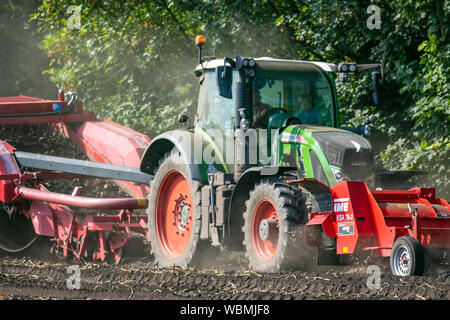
<point x="348" y="151"/>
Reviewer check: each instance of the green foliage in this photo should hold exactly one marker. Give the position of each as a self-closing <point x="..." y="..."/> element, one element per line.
<point x="132" y="61"/>
<point x="426" y="143"/>
<point x="124" y="61"/>
<point x="22" y="61"/>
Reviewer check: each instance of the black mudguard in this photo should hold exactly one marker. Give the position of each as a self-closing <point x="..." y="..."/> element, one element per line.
<point x="183" y="141"/>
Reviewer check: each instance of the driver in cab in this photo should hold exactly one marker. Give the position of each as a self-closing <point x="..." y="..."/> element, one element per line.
<point x="308" y="114"/>
<point x="260" y="111"/>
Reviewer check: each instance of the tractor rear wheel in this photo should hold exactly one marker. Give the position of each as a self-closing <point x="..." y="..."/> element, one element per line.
<point x="174" y="213"/>
<point x="407" y="257"/>
<point x="274" y="226"/>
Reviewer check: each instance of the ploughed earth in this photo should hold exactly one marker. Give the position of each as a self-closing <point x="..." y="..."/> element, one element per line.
<point x="38" y="275"/>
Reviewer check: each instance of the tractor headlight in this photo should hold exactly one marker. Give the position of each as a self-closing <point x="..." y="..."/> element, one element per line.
<point x="338" y="175"/>
<point x="347" y="67"/>
<point x="244" y="124"/>
<point x="251" y="63"/>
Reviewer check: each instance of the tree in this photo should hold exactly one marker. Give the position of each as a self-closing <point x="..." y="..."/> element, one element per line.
<point x="132" y="61"/>
<point x="22" y="60"/>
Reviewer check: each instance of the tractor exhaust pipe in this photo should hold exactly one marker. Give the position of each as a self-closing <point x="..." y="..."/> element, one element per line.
<point x="243" y="114"/>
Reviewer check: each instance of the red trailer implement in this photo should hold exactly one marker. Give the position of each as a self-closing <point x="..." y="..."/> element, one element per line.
<point x="30" y="110"/>
<point x="389" y="223"/>
<point x="33" y="211"/>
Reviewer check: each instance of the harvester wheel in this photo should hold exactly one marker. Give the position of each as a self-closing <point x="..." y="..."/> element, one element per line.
<point x="174" y="213"/>
<point x="407" y="257"/>
<point x="274" y="226"/>
<point x="16" y="231"/>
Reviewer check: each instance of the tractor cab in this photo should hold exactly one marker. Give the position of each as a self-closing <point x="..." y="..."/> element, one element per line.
<point x="256" y="112"/>
<point x="296" y="92"/>
<point x="263" y="100"/>
<point x="263" y="97"/>
<point x="282" y="92"/>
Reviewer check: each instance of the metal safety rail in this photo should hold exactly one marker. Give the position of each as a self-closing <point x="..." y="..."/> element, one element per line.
<point x="81" y="167"/>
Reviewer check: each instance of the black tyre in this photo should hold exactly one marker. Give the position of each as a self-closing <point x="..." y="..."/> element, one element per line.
<point x="326" y="252"/>
<point x="274" y="227"/>
<point x="174" y="213"/>
<point x="407" y="257"/>
<point x="17" y="235"/>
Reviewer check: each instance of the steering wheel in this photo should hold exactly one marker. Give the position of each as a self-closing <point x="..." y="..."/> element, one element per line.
<point x="276" y="118"/>
<point x="292" y="120"/>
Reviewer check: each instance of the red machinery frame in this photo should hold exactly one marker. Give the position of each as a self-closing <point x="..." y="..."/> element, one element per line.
<point x="102" y="141"/>
<point x="29" y="110"/>
<point x="370" y="220"/>
<point x="50" y="215"/>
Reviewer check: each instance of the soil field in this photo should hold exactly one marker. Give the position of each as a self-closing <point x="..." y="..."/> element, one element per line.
<point x="30" y="278"/>
<point x="36" y="275"/>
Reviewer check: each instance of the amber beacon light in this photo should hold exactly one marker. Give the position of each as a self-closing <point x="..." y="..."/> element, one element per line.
<point x="199" y="40"/>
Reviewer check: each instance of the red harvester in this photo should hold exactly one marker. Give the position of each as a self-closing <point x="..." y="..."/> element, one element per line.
<point x="29" y="210"/>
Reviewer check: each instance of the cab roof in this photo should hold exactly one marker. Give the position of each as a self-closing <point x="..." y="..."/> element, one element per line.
<point x="327" y="67"/>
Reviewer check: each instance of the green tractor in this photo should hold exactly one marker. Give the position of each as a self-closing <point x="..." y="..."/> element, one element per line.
<point x="225" y="180"/>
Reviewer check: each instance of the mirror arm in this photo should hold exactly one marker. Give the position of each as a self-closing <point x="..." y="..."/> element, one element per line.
<point x="363" y="67"/>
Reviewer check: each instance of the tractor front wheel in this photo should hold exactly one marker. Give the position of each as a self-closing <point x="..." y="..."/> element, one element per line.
<point x="274" y="226"/>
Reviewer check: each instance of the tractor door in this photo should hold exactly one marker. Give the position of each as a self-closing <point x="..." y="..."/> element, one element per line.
<point x="215" y="122"/>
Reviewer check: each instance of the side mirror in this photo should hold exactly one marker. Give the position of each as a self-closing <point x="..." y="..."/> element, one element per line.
<point x="377" y="85"/>
<point x="224" y="76"/>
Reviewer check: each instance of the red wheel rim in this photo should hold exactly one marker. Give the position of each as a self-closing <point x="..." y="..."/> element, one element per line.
<point x="174" y="214"/>
<point x="265" y="249"/>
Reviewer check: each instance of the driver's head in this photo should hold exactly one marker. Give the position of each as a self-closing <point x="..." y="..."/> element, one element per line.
<point x="305" y="102"/>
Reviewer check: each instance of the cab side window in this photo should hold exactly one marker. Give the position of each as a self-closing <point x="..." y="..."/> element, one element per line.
<point x="215" y="111"/>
